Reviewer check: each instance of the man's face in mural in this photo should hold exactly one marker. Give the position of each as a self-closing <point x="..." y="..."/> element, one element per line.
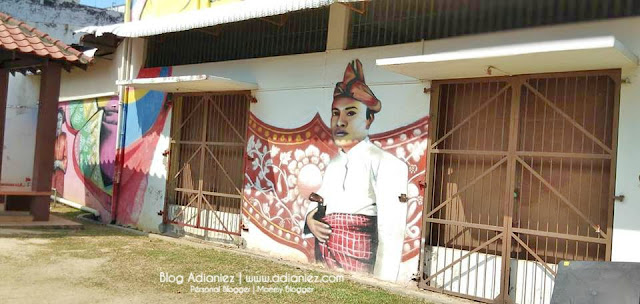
<point x="349" y="122"/>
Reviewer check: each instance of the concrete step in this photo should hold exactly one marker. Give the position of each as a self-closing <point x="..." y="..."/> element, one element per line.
<point x="15" y="216"/>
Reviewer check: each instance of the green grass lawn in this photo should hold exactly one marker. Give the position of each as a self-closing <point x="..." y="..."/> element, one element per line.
<point x="106" y="265"/>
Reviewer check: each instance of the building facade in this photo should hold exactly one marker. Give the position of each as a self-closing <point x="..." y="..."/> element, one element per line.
<point x="473" y="132"/>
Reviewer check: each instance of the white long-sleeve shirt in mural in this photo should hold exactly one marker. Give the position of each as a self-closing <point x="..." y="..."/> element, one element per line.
<point x="368" y="181"/>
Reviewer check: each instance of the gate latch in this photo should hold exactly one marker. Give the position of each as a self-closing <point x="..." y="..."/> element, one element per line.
<point x="165" y="153"/>
<point x="619" y="198"/>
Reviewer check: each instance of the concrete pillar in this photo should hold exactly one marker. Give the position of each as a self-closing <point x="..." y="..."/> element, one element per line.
<point x="338" y="32"/>
<point x="45" y="138"/>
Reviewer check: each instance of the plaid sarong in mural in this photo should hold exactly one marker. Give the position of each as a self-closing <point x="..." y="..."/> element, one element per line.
<point x="353" y="242"/>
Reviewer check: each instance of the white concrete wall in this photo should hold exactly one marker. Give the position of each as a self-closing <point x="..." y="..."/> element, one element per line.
<point x="479" y="275"/>
<point x="20" y="130"/>
<point x="101" y="76"/>
<point x="626" y="223"/>
<point x="304" y="84"/>
<point x="99" y="79"/>
<point x="154" y="195"/>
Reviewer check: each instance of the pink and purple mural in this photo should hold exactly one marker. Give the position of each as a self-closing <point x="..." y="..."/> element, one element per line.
<point x="85" y="151"/>
<point x="85" y="165"/>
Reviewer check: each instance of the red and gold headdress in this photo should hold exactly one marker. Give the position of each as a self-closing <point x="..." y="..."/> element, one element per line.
<point x="354" y="86"/>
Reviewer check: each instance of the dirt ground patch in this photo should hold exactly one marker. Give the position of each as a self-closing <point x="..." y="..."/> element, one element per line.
<point x="99" y="264"/>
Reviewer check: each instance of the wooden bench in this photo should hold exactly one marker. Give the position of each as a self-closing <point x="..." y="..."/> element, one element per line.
<point x="24" y="199"/>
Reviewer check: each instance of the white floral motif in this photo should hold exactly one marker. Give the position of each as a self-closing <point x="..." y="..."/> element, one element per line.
<point x="274" y="151"/>
<point x="280" y="192"/>
<point x="285" y="158"/>
<point x="417" y="149"/>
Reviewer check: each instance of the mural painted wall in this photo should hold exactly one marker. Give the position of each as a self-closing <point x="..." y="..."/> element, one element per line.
<point x="288" y="163"/>
<point x="143" y="176"/>
<point x="85" y="152"/>
<point x="369" y="183"/>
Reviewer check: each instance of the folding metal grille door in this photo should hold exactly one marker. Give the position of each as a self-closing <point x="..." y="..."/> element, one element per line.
<point x="521" y="177"/>
<point x="207" y="161"/>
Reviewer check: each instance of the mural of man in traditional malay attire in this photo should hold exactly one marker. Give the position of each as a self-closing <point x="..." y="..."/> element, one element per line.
<point x="364" y="223"/>
<point x="60" y="155"/>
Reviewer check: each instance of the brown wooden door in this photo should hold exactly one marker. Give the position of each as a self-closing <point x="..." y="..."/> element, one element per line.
<point x="521" y="176"/>
<point x="207" y="161"/>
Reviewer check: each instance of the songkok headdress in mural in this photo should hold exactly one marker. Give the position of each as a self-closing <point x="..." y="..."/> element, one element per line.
<point x="354" y="86"/>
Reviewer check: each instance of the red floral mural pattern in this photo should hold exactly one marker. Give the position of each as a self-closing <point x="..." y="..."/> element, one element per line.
<point x="285" y="165"/>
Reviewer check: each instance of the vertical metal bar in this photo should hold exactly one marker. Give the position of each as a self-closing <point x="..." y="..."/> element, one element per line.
<point x="466" y="103"/>
<point x="593" y="147"/>
<point x="405" y="22"/>
<point x="491" y="147"/>
<point x="562" y="167"/>
<point x="446" y="162"/>
<point x="416" y="10"/>
<point x="473" y="193"/>
<point x="449" y="209"/>
<point x="430" y="14"/>
<point x="582" y="150"/>
<point x="439" y="23"/>
<point x="509" y="198"/>
<point x="524" y="135"/>
<point x="430" y="173"/>
<point x="614" y="157"/>
<point x="393" y="37"/>
<point x="604" y="193"/>
<point x="628" y="8"/>
<point x="201" y="172"/>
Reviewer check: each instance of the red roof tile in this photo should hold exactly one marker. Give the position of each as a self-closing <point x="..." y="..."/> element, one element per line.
<point x="17" y="35"/>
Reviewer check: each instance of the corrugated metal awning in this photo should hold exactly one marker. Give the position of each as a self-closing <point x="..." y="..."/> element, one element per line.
<point x="232" y="12"/>
<point x="593" y="53"/>
<point x="189" y="84"/>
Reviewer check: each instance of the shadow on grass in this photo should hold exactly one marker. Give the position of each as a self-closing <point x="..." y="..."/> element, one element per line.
<point x="88" y="228"/>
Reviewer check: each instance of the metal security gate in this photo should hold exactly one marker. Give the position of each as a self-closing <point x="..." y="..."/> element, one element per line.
<point x="521" y="176"/>
<point x="207" y="162"/>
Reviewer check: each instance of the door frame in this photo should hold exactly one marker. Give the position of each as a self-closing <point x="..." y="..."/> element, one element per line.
<point x="175" y="98"/>
<point x="516" y="83"/>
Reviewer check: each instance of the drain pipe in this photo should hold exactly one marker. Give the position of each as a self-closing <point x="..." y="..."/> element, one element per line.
<point x="71" y="204"/>
<point x="122" y="121"/>
<point x="123" y="92"/>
